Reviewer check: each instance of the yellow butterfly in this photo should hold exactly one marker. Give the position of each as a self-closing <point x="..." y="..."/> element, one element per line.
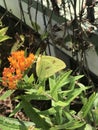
<point x="47" y="66"/>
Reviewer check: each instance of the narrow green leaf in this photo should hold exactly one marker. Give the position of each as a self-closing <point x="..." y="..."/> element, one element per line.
<point x="71" y="125"/>
<point x="16" y="109"/>
<point x="69" y="90"/>
<point x="68" y="115"/>
<point x="7" y="123"/>
<point x="61" y="81"/>
<point x="3" y="31"/>
<point x="34" y="116"/>
<point x="3" y="38"/>
<point x="35" y="96"/>
<point x="52" y="82"/>
<point x="6" y="94"/>
<point x="28" y="79"/>
<point x="95" y="115"/>
<point x="49" y="111"/>
<point x="96" y="101"/>
<point x="31" y="78"/>
<point x="59" y="103"/>
<point x="25" y="78"/>
<point x="73" y="95"/>
<point x="59" y="117"/>
<point x="63" y="78"/>
<point x="78" y="77"/>
<point x="88" y="106"/>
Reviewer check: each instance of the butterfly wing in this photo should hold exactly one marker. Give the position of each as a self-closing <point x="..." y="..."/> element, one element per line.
<point x="48" y="66"/>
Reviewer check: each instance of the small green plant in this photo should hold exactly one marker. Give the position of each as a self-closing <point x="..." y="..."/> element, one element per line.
<point x="42" y="78"/>
<point x="50" y="84"/>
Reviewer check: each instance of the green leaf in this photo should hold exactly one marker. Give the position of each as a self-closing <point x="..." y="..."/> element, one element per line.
<point x="6" y="94"/>
<point x="69" y="114"/>
<point x="34" y="116"/>
<point x="88" y="127"/>
<point x="28" y="79"/>
<point x="3" y="38"/>
<point x="69" y="90"/>
<point x="96" y="101"/>
<point x="95" y="115"/>
<point x="31" y="78"/>
<point x="74" y="94"/>
<point x="71" y="125"/>
<point x="70" y="97"/>
<point x="59" y="103"/>
<point x="14" y="124"/>
<point x="50" y="111"/>
<point x="52" y="82"/>
<point x="88" y="106"/>
<point x="3" y="31"/>
<point x="17" y="109"/>
<point x="62" y="80"/>
<point x="48" y="66"/>
<point x="35" y="96"/>
<point x="59" y="117"/>
<point x="25" y="78"/>
<point x="77" y="77"/>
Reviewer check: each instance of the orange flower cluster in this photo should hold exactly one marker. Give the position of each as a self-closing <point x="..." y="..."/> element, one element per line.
<point x="18" y="64"/>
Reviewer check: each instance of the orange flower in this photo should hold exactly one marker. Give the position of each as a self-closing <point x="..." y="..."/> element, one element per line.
<point x="29" y="60"/>
<point x="19" y="61"/>
<point x="18" y="64"/>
